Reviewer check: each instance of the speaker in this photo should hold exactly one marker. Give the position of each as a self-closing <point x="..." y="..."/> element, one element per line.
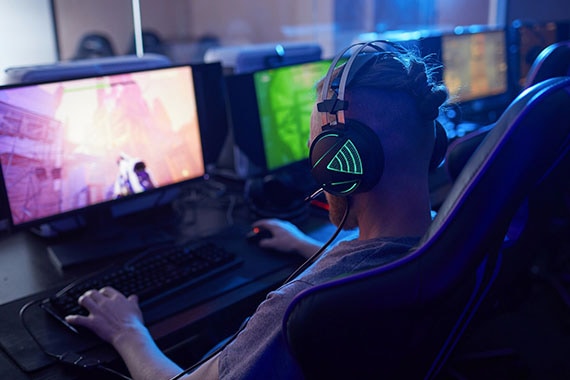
<point x="347" y="156"/>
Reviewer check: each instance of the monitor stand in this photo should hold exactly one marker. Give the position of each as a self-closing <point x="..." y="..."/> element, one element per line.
<point x="104" y="238"/>
<point x="66" y="255"/>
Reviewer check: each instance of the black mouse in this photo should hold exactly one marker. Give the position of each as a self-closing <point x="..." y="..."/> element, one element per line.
<point x="258" y="233"/>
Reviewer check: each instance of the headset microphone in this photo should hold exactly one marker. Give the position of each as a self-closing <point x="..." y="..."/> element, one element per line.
<point x="314" y="195"/>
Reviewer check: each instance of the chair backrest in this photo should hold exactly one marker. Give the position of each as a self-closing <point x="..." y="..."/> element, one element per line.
<point x="94" y="45"/>
<point x="152" y="43"/>
<point x="402" y="320"/>
<point x="553" y="61"/>
<point x="461" y="149"/>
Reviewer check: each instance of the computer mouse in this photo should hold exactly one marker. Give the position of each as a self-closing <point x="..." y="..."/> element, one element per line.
<point x="258" y="233"/>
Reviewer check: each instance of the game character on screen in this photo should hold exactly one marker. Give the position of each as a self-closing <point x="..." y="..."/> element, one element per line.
<point x="132" y="178"/>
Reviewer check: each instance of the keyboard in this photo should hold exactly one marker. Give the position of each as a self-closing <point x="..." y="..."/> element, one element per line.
<point x="152" y="275"/>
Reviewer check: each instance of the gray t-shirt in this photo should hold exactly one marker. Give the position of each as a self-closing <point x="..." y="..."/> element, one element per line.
<point x="259" y="351"/>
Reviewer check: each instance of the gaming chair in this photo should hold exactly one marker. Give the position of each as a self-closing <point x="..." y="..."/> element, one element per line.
<point x="404" y="319"/>
<point x="94" y="45"/>
<point x="553" y="61"/>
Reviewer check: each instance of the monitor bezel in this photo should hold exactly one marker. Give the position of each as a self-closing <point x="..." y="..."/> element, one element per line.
<point x="244" y="120"/>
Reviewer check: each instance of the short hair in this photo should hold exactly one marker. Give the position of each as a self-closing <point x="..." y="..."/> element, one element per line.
<point x="402" y="71"/>
<point x="399" y="98"/>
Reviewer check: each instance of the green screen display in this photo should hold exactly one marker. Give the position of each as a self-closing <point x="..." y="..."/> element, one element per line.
<point x="285" y="98"/>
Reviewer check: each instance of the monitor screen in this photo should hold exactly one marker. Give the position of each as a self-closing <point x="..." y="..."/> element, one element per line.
<point x="72" y="144"/>
<point x="270" y="112"/>
<point x="528" y="40"/>
<point x="475" y="65"/>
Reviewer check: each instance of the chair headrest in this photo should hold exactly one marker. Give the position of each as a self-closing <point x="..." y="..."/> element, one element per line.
<point x="553" y="61"/>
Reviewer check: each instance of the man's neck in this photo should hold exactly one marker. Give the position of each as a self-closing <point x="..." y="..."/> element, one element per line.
<point x="396" y="214"/>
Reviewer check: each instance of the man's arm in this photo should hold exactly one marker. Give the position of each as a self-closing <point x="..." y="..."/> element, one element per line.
<point x="287" y="238"/>
<point x="118" y="320"/>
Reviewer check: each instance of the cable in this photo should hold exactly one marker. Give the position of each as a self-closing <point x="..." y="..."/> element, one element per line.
<point x="321" y="250"/>
<point x="27" y="328"/>
<point x="71" y="358"/>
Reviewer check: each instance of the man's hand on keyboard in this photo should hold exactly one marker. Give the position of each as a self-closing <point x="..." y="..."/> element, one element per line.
<point x="111" y="314"/>
<point x="118" y="320"/>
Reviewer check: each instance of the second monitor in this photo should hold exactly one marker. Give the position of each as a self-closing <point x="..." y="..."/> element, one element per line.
<point x="475" y="72"/>
<point x="270" y="116"/>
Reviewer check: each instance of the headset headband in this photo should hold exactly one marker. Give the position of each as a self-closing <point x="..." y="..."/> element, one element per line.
<point x="337" y="105"/>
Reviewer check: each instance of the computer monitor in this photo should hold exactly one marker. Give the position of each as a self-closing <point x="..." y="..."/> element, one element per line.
<point x="475" y="72"/>
<point x="69" y="146"/>
<point x="270" y="113"/>
<point x="527" y="40"/>
<point x="239" y="59"/>
<point x="84" y="68"/>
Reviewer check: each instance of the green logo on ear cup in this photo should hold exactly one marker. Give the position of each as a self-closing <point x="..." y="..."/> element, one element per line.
<point x="346" y="160"/>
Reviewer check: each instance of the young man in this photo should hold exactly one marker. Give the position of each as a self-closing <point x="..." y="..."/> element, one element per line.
<point x="394" y="95"/>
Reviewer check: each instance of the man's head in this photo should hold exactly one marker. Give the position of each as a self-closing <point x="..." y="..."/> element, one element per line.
<point x="394" y="94"/>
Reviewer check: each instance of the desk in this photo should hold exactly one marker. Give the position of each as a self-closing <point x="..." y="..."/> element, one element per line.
<point x="27" y="274"/>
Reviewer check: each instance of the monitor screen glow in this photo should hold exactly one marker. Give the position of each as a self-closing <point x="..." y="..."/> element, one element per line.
<point x="68" y="145"/>
<point x="285" y="98"/>
<point x="475" y="65"/>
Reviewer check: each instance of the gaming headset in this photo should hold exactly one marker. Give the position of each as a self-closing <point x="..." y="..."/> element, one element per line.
<point x="347" y="156"/>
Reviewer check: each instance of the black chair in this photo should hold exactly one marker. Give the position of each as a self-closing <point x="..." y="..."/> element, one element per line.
<point x="461" y="149"/>
<point x="404" y="319"/>
<point x="94" y="45"/>
<point x="553" y="61"/>
<point x="151" y="42"/>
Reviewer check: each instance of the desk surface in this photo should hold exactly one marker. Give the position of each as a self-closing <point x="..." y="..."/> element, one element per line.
<point x="27" y="274"/>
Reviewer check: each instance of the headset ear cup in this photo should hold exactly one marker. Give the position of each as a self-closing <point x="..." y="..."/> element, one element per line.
<point x="347" y="158"/>
<point x="439" y="148"/>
